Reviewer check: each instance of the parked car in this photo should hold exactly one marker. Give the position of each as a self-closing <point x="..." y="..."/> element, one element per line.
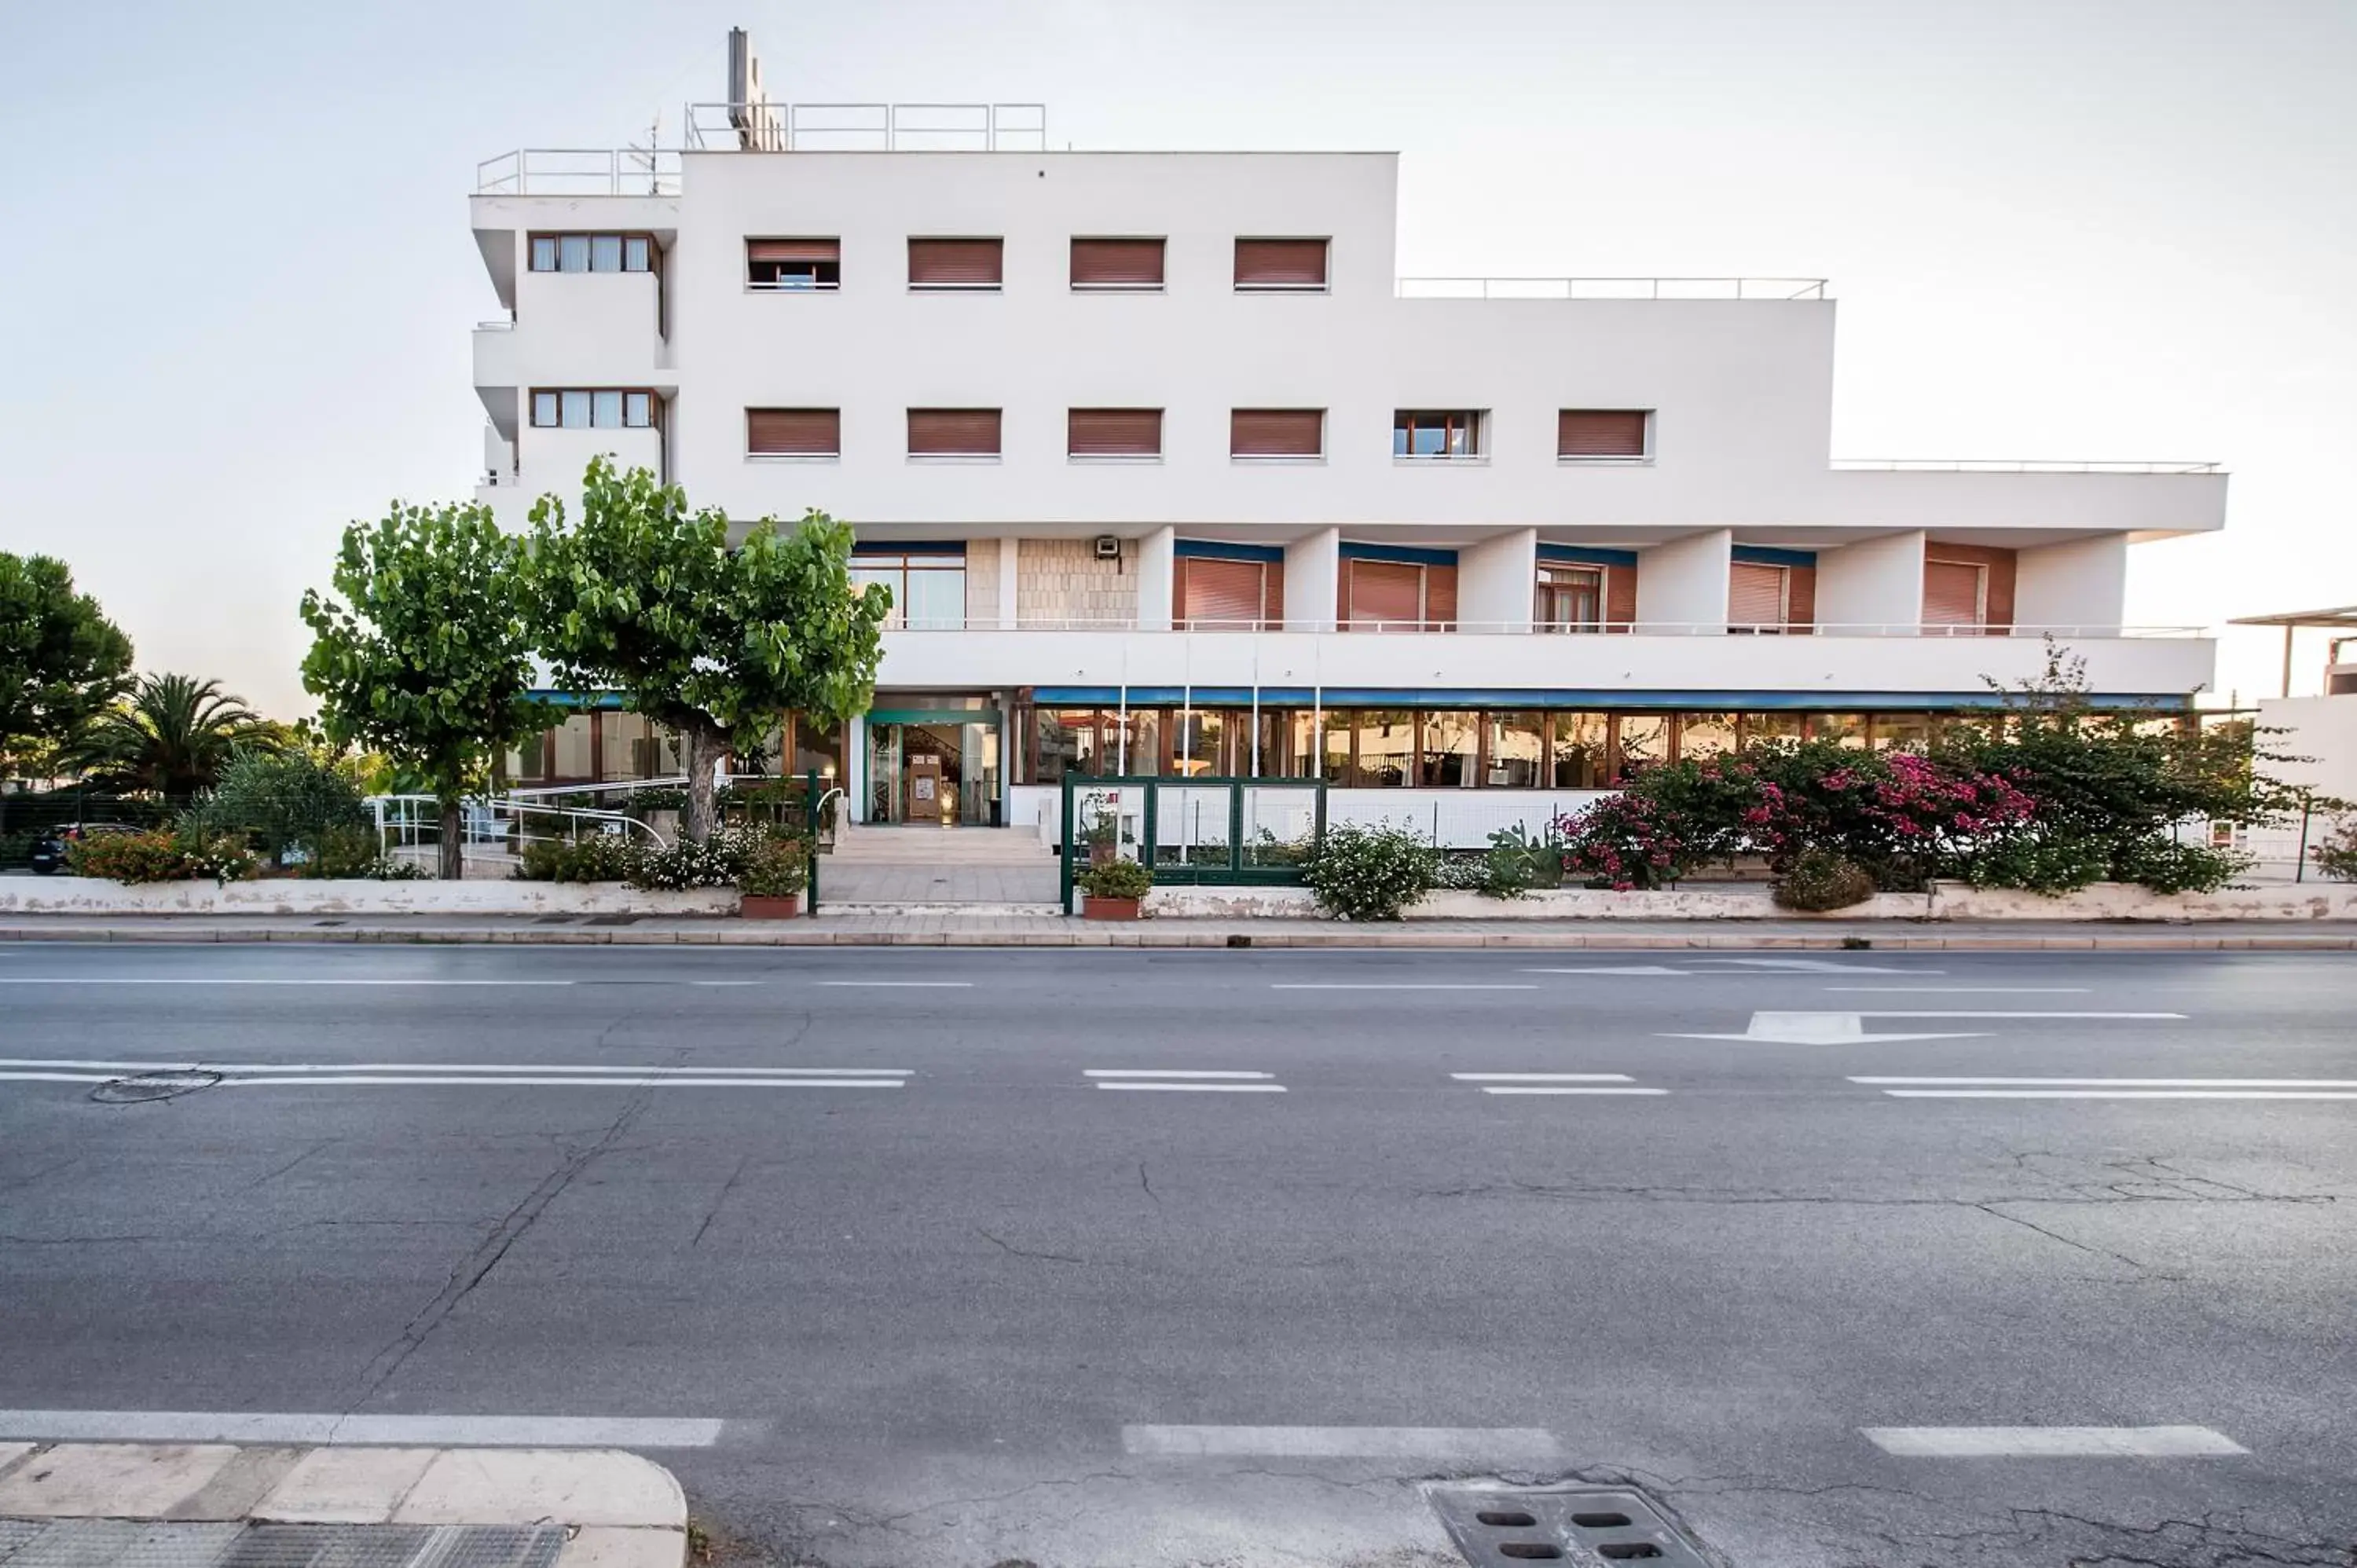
<point x="49" y="853"/>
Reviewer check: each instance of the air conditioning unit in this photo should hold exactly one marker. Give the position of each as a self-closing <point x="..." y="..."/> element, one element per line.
<point x="1108" y="547"/>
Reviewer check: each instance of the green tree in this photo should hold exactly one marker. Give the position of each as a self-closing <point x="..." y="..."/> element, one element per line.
<point x="62" y="662"/>
<point x="644" y="598"/>
<point x="172" y="735"/>
<point x="428" y="657"/>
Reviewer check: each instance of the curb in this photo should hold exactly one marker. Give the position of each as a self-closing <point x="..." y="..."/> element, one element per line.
<point x="617" y="1510"/>
<point x="1359" y="937"/>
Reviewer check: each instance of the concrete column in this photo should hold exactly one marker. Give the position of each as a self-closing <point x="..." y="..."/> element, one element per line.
<point x="1010" y="573"/>
<point x="1873" y="582"/>
<point x="1155" y="554"/>
<point x="1685" y="582"/>
<point x="1313" y="580"/>
<point x="2080" y="586"/>
<point x="1497" y="582"/>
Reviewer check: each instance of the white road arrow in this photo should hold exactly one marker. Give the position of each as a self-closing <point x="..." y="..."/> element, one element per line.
<point x="1810" y="965"/>
<point x="1815" y="1029"/>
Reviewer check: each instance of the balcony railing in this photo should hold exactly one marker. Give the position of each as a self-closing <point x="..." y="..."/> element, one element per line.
<point x="1611" y="288"/>
<point x="2060" y="632"/>
<point x="2009" y="466"/>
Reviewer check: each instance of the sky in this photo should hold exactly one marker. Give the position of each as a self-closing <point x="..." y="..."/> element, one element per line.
<point x="237" y="282"/>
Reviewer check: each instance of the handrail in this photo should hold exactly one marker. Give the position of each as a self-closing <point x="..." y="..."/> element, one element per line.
<point x="580" y="171"/>
<point x="1503" y="627"/>
<point x="2012" y="466"/>
<point x="1671" y="288"/>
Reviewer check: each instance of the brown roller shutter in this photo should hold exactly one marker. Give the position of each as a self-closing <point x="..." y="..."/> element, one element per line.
<point x="1440" y="599"/>
<point x="1114" y="433"/>
<point x="1599" y="432"/>
<point x="1619" y="598"/>
<point x="794" y="432"/>
<point x="1276" y="432"/>
<point x="1755" y="596"/>
<point x="955" y="263"/>
<point x="1116" y="264"/>
<point x="1281" y="263"/>
<point x="954" y="433"/>
<point x="1387" y="592"/>
<point x="793" y="249"/>
<point x="1952" y="594"/>
<point x="1800" y="599"/>
<point x="1225" y="595"/>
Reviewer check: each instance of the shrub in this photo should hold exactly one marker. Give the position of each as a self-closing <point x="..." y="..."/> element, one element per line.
<point x="186" y="856"/>
<point x="1631" y="840"/>
<point x="1461" y="873"/>
<point x="2039" y="862"/>
<point x="715" y="862"/>
<point x="2165" y="865"/>
<point x="1516" y="862"/>
<point x="1371" y="873"/>
<point x="1115" y="879"/>
<point x="601" y="857"/>
<point x="1819" y="879"/>
<point x="776" y="867"/>
<point x="287" y="800"/>
<point x="2336" y="853"/>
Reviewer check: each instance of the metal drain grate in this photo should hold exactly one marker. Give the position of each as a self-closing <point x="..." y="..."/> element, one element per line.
<point x="123" y="1543"/>
<point x="1504" y="1527"/>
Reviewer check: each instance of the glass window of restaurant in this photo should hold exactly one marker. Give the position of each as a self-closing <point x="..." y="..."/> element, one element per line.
<point x="1517" y="748"/>
<point x="1843" y="729"/>
<point x="1386" y="755"/>
<point x="1901" y="729"/>
<point x="1760" y="729"/>
<point x="576" y="752"/>
<point x="1705" y="734"/>
<point x="1638" y="741"/>
<point x="1448" y="753"/>
<point x="1581" y="751"/>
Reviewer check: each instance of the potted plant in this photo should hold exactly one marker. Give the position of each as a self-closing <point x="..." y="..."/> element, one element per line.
<point x="1101" y="835"/>
<point x="771" y="886"/>
<point x="1113" y="889"/>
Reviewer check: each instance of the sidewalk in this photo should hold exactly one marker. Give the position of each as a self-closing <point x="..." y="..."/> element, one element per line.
<point x="214" y="1505"/>
<point x="944" y="928"/>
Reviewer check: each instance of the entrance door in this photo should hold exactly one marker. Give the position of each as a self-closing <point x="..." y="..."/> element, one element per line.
<point x="941" y="772"/>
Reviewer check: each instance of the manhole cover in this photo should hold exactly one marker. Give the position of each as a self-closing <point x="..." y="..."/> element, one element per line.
<point x="1503" y="1526"/>
<point x="141" y="1087"/>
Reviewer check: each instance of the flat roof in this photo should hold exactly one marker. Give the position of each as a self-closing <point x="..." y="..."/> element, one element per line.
<point x="2346" y="615"/>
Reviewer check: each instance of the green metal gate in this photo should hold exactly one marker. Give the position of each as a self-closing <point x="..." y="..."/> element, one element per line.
<point x="1203" y="831"/>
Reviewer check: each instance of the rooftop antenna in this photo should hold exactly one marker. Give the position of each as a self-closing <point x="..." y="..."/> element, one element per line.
<point x="758" y="127"/>
<point x="648" y="158"/>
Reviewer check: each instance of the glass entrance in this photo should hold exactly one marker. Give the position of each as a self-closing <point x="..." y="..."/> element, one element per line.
<point x="943" y="772"/>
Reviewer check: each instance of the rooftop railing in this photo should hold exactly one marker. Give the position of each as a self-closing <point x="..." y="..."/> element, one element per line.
<point x="867" y="127"/>
<point x="1611" y="288"/>
<point x="2008" y="466"/>
<point x="580" y="171"/>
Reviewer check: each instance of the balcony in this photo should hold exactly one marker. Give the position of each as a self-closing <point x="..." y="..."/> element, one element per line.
<point x="1677" y="288"/>
<point x="1683" y="664"/>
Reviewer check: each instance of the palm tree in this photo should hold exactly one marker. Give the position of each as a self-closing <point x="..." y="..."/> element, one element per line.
<point x="172" y="735"/>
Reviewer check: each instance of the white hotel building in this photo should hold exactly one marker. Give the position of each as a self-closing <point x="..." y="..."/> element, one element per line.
<point x="1171" y="473"/>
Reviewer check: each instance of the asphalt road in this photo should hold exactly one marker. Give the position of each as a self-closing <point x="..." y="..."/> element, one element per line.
<point x="957" y="1301"/>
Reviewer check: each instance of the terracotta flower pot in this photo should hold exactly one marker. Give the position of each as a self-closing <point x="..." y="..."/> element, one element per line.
<point x="769" y="905"/>
<point x="1095" y="909"/>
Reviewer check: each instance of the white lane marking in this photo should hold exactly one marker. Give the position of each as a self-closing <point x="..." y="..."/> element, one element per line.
<point x="1168" y="1073"/>
<point x="1994" y="989"/>
<point x="724" y="982"/>
<point x="1563" y="1088"/>
<point x="328" y="1428"/>
<point x="906" y="984"/>
<point x="1354" y="985"/>
<point x="417" y="1080"/>
<point x="2050" y="1442"/>
<point x="569" y="1069"/>
<point x="1814" y="1029"/>
<point x="1848" y="1028"/>
<point x="227" y="979"/>
<point x="1618" y="969"/>
<point x="1542" y="1077"/>
<point x="1811" y="965"/>
<point x="1345" y="1442"/>
<point x="1199" y="1088"/>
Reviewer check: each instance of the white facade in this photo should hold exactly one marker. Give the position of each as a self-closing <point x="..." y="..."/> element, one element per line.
<point x="1738" y="392"/>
